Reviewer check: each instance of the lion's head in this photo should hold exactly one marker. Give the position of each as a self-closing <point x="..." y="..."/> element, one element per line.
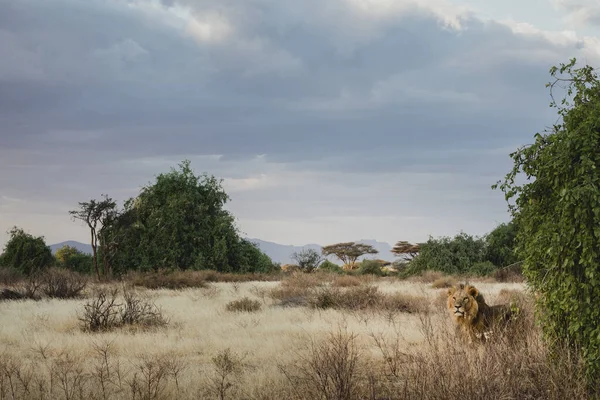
<point x="463" y="302"/>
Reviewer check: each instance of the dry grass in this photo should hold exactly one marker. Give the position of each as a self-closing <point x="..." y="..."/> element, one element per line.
<point x="350" y="352"/>
<point x="178" y="279"/>
<point x="444" y="282"/>
<point x="346" y="281"/>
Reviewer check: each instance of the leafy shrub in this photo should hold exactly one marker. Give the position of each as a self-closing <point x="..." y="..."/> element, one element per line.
<point x="370" y="267"/>
<point x="62" y="284"/>
<point x="103" y="312"/>
<point x="328" y="266"/>
<point x="245" y="304"/>
<point x="71" y="258"/>
<point x="482" y="268"/>
<point x="449" y="255"/>
<point x="501" y="244"/>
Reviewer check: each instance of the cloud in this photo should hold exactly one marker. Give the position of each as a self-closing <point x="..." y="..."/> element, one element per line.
<point x="580" y="11"/>
<point x="363" y="118"/>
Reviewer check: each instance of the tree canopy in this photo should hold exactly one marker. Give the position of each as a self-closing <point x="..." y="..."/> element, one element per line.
<point x="556" y="209"/>
<point x="348" y="252"/>
<point x="25" y="252"/>
<point x="179" y="221"/>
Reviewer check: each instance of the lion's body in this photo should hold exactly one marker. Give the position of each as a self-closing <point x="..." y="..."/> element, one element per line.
<point x="473" y="316"/>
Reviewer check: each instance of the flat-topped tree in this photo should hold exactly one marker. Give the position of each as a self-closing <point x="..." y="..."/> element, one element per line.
<point x="406" y="250"/>
<point x="348" y="252"/>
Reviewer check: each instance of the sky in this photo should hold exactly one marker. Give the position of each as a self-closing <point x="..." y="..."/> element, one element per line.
<point x="328" y="121"/>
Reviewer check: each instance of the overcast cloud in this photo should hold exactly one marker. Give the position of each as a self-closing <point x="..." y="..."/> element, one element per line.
<point x="328" y="120"/>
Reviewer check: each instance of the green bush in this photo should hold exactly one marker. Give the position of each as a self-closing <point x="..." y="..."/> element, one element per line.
<point x="449" y="255"/>
<point x="25" y="252"/>
<point x="71" y="258"/>
<point x="329" y="266"/>
<point x="370" y="267"/>
<point x="482" y="268"/>
<point x="500" y="245"/>
<point x="557" y="214"/>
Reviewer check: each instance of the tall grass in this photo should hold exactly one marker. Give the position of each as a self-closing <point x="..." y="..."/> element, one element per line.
<point x="340" y="352"/>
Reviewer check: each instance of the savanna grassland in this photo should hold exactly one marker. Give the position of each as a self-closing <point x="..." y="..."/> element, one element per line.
<point x="306" y="336"/>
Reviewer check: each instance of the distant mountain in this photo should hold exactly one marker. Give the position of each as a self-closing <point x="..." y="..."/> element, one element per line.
<point x="278" y="252"/>
<point x="83" y="247"/>
<point x="282" y="253"/>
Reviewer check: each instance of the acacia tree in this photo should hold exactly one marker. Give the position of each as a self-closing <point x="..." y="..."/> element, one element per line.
<point x="96" y="214"/>
<point x="348" y="252"/>
<point x="406" y="250"/>
<point x="557" y="215"/>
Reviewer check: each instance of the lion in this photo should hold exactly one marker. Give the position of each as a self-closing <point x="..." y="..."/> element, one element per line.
<point x="473" y="316"/>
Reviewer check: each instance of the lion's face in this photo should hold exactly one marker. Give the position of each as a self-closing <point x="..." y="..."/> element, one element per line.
<point x="462" y="302"/>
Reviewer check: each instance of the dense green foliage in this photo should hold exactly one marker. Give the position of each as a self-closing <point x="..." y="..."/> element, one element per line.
<point x="370" y="267"/>
<point x="71" y="258"/>
<point x="465" y="254"/>
<point x="179" y="221"/>
<point x="557" y="214"/>
<point x="25" y="252"/>
<point x="330" y="266"/>
<point x="449" y="255"/>
<point x="500" y="245"/>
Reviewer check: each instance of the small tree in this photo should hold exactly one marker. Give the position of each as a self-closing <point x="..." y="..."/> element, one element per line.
<point x="348" y="252"/>
<point x="308" y="259"/>
<point x="25" y="252"/>
<point x="96" y="214"/>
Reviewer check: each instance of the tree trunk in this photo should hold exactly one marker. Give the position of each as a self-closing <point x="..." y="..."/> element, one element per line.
<point x="94" y="251"/>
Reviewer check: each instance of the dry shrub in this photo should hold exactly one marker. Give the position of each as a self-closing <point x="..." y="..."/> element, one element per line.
<point x="152" y="375"/>
<point x="346" y="281"/>
<point x="245" y="304"/>
<point x="180" y="279"/>
<point x="10" y="276"/>
<point x="226" y="380"/>
<point x="509" y="274"/>
<point x="406" y="303"/>
<point x="104" y="312"/>
<point x="8" y="294"/>
<point x="303" y="281"/>
<point x="62" y="283"/>
<point x="69" y="375"/>
<point x="296" y="289"/>
<point x="428" y="276"/>
<point x="214" y="276"/>
<point x="168" y="279"/>
<point x="443" y="282"/>
<point x="367" y="297"/>
<point x="327" y="369"/>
